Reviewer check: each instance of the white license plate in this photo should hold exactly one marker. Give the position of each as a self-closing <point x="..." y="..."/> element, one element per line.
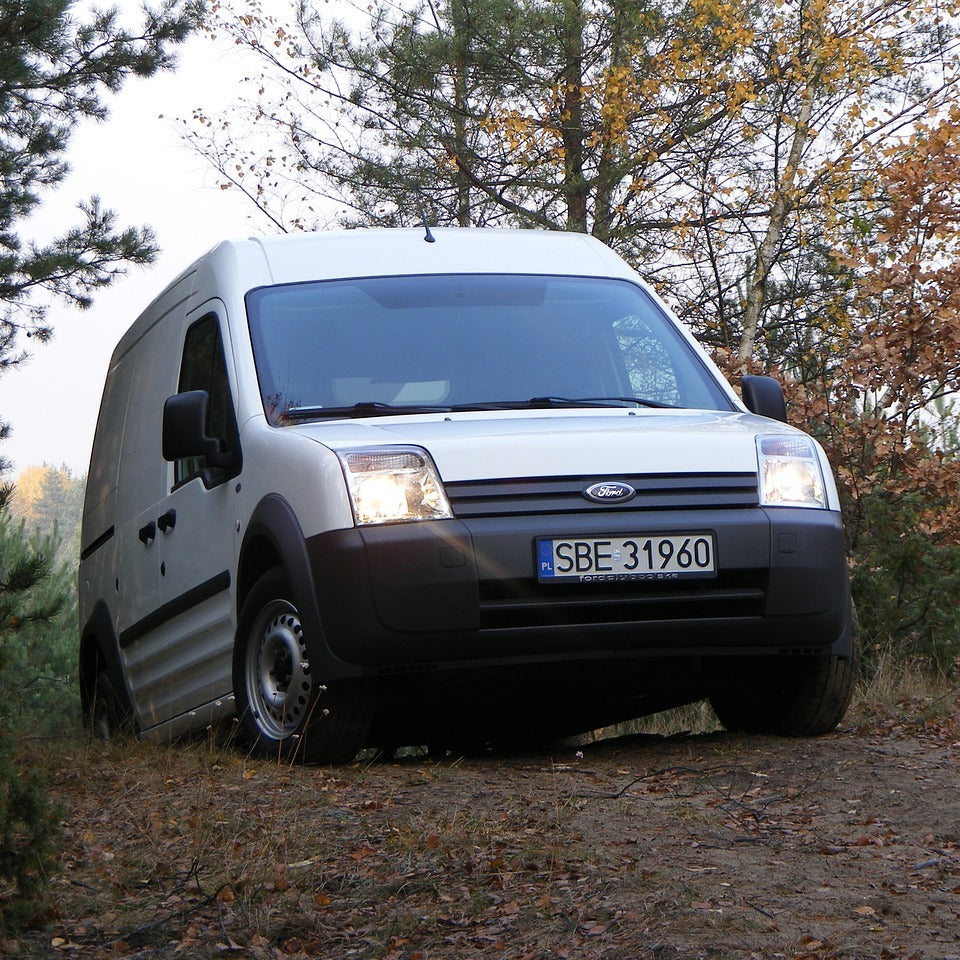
<point x="648" y="556"/>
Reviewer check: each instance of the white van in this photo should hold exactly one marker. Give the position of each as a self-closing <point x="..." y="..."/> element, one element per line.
<point x="384" y="487"/>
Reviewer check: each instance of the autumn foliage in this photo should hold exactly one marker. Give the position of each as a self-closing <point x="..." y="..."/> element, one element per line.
<point x="882" y="398"/>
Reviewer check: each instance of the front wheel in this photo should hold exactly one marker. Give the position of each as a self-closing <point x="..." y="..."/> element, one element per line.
<point x="284" y="708"/>
<point x="797" y="696"/>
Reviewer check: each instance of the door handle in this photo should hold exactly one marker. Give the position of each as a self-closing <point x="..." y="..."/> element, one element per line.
<point x="148" y="533"/>
<point x="167" y="521"/>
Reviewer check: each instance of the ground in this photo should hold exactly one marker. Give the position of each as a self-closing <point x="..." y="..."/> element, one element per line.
<point x="636" y="848"/>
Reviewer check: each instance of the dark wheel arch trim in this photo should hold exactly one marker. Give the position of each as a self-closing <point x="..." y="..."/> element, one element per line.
<point x="845" y="645"/>
<point x="99" y="649"/>
<point x="274" y="521"/>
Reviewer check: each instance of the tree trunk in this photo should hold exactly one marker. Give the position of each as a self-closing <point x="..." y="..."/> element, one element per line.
<point x="460" y="20"/>
<point x="608" y="174"/>
<point x="783" y="200"/>
<point x="571" y="118"/>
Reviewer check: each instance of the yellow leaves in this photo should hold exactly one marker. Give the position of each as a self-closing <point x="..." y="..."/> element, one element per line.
<point x="520" y="133"/>
<point x="620" y="99"/>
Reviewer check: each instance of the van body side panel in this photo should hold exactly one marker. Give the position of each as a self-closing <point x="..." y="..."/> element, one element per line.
<point x="99" y="507"/>
<point x="198" y="557"/>
<point x="97" y="598"/>
<point x="182" y="662"/>
<point x="181" y="651"/>
<point x="197" y="550"/>
<point x="142" y="484"/>
<point x="307" y="475"/>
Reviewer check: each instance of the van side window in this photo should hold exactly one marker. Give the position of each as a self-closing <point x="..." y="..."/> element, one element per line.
<point x="203" y="368"/>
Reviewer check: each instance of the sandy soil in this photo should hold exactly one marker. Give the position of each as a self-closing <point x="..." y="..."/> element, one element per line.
<point x="847" y="846"/>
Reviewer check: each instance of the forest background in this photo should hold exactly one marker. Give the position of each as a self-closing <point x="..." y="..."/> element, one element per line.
<point x="787" y="174"/>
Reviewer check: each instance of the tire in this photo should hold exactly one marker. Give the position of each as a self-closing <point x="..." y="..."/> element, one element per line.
<point x="798" y="697"/>
<point x="284" y="709"/>
<point x="107" y="717"/>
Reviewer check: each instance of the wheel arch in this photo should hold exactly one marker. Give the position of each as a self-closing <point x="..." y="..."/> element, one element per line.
<point x="99" y="649"/>
<point x="274" y="538"/>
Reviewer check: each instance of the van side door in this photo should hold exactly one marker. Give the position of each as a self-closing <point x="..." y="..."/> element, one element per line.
<point x="141" y="482"/>
<point x="197" y="539"/>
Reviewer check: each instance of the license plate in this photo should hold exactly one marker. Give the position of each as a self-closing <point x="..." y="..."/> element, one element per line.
<point x="648" y="556"/>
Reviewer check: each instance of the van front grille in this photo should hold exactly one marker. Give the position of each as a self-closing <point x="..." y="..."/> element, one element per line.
<point x="506" y="604"/>
<point x="558" y="495"/>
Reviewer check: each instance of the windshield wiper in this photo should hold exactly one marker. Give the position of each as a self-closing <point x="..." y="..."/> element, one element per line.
<point x="366" y="408"/>
<point x="547" y="403"/>
<point x="374" y="408"/>
<point x="594" y="402"/>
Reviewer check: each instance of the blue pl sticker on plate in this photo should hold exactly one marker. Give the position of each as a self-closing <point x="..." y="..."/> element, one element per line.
<point x="545" y="558"/>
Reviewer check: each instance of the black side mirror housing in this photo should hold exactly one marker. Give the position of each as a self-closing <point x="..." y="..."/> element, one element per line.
<point x="764" y="397"/>
<point x="185" y="428"/>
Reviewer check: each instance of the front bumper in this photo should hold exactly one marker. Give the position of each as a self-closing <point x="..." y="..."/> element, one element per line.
<point x="464" y="591"/>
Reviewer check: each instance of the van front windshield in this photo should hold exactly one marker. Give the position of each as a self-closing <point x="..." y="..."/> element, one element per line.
<point x="387" y="345"/>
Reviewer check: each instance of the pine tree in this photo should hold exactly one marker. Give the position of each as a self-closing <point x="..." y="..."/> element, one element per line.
<point x="55" y="69"/>
<point x="58" y="61"/>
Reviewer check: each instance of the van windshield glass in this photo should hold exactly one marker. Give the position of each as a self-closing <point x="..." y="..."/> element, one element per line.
<point x="387" y="345"/>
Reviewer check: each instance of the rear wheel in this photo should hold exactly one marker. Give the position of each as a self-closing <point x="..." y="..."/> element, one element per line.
<point x="284" y="708"/>
<point x="797" y="696"/>
<point x="107" y="717"/>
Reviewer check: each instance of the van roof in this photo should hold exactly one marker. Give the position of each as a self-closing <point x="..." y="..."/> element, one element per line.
<point x="379" y="252"/>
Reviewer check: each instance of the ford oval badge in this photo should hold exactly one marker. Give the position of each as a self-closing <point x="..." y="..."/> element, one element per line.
<point x="609" y="491"/>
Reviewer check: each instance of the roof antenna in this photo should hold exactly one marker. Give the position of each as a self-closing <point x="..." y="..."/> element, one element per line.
<point x="430" y="238"/>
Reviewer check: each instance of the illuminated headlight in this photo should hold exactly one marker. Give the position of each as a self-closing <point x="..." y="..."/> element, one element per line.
<point x="394" y="485"/>
<point x="790" y="473"/>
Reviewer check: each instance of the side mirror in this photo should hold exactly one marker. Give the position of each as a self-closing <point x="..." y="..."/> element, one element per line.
<point x="764" y="397"/>
<point x="185" y="428"/>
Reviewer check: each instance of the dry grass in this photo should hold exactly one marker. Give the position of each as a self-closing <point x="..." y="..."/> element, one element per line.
<point x="198" y="850"/>
<point x="896" y="687"/>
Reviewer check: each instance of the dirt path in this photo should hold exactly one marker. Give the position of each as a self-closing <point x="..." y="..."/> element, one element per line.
<point x="711" y="846"/>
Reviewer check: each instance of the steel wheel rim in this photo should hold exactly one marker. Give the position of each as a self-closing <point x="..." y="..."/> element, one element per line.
<point x="278" y="671"/>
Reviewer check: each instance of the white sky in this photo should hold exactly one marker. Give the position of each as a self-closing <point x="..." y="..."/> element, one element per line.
<point x="140" y="168"/>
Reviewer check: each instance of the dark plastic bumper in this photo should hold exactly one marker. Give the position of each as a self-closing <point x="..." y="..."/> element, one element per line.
<point x="461" y="592"/>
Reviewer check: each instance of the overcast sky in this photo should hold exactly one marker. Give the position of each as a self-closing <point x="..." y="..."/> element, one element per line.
<point x="138" y="165"/>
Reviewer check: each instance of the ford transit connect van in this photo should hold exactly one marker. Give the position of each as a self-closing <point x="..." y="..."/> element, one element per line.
<point x="386" y="487"/>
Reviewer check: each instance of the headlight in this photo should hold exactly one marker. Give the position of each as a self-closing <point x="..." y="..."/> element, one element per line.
<point x="394" y="485"/>
<point x="790" y="472"/>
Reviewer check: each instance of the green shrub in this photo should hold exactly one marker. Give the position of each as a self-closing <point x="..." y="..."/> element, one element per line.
<point x="906" y="586"/>
<point x="38" y="635"/>
<point x="29" y="837"/>
<point x="34" y="645"/>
